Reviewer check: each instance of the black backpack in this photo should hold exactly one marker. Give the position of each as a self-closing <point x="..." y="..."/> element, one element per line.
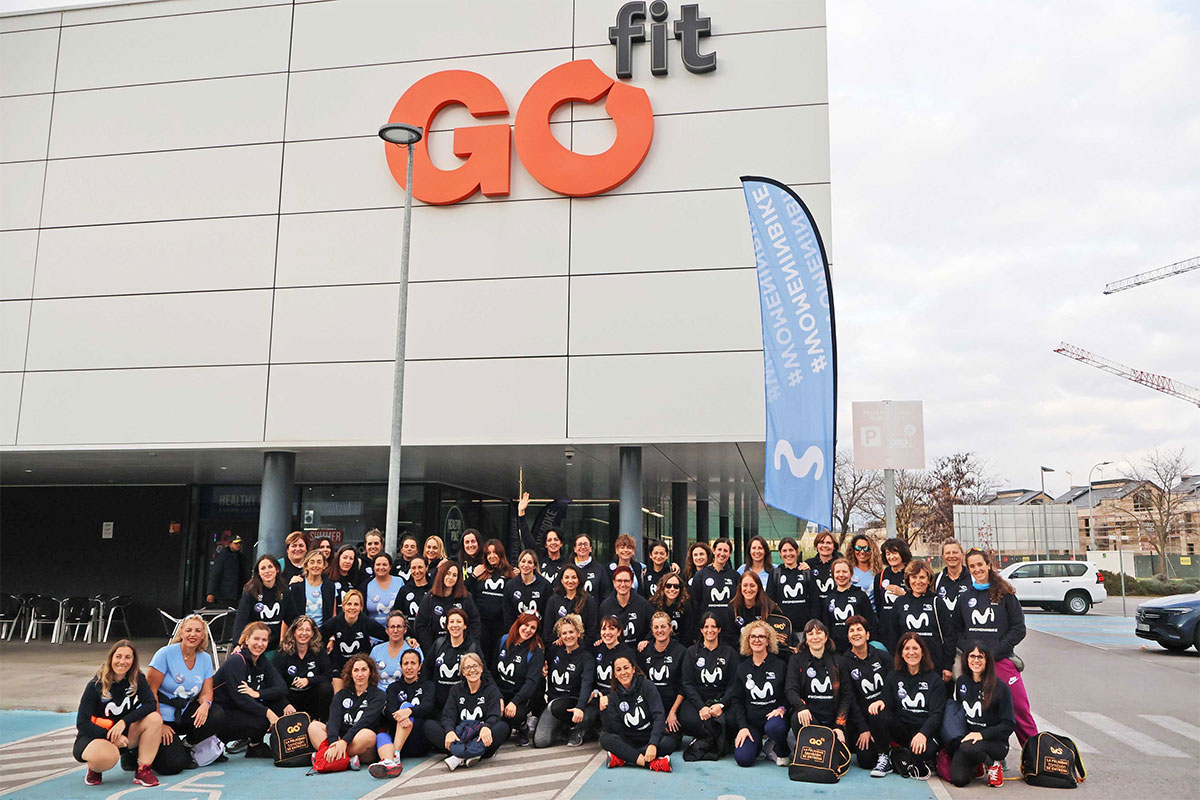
<point x="1053" y="761"/>
<point x="289" y="741"/>
<point x="820" y="756"/>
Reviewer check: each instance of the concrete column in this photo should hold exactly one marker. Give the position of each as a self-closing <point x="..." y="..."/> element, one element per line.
<point x="701" y="519"/>
<point x="275" y="506"/>
<point x="631" y="497"/>
<point x="679" y="520"/>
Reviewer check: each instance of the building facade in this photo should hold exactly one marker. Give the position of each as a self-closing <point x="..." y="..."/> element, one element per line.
<point x="200" y="236"/>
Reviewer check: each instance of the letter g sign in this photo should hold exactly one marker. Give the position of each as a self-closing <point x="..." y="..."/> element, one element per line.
<point x="486" y="148"/>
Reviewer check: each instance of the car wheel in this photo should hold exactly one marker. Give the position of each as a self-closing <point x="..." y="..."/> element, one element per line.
<point x="1077" y="603"/>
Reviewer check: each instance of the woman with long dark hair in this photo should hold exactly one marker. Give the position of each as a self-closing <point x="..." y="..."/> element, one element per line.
<point x="518" y="673"/>
<point x="672" y="599"/>
<point x="914" y="698"/>
<point x="441" y="665"/>
<point x="749" y="603"/>
<point x="447" y="591"/>
<point x="984" y="704"/>
<point x="634" y="721"/>
<point x="344" y="571"/>
<point x="815" y="689"/>
<point x="486" y="585"/>
<point x="355" y="715"/>
<point x="117" y="714"/>
<point x="708" y="675"/>
<point x="470" y="552"/>
<point x="758" y="559"/>
<point x="570" y="598"/>
<point x="552" y="556"/>
<point x="262" y="600"/>
<point x="410" y="702"/>
<point x="659" y="567"/>
<point x="990" y="613"/>
<point x="699" y="556"/>
<point x="414" y="590"/>
<point x="305" y="668"/>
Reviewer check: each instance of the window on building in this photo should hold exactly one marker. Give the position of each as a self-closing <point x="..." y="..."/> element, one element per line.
<point x="1141" y="501"/>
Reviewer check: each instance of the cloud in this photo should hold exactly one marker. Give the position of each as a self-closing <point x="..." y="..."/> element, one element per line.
<point x="993" y="167"/>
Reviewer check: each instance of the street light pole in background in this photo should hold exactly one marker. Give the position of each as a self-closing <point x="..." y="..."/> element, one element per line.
<point x="1045" y="526"/>
<point x="406" y="136"/>
<point x="1092" y="529"/>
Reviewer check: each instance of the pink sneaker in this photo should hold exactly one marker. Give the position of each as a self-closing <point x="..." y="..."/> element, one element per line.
<point x="144" y="777"/>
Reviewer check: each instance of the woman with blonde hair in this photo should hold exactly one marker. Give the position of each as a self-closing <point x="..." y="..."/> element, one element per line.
<point x="181" y="677"/>
<point x="350" y="632"/>
<point x="434" y="552"/>
<point x="758" y="708"/>
<point x="865" y="562"/>
<point x="117" y="713"/>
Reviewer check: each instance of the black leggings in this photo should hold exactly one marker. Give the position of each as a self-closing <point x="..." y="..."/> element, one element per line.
<point x="557" y="717"/>
<point x="314" y="701"/>
<point x="691" y="724"/>
<point x="174" y="758"/>
<point x="970" y="755"/>
<point x="879" y="739"/>
<point x="901" y="733"/>
<point x="628" y="746"/>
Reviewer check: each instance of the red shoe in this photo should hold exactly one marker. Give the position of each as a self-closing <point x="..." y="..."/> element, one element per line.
<point x="93" y="778"/>
<point x="144" y="777"/>
<point x="980" y="771"/>
<point x="613" y="761"/>
<point x="995" y="775"/>
<point x="662" y="764"/>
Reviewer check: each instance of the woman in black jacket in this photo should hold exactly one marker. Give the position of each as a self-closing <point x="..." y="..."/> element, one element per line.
<point x="441" y="665"/>
<point x="355" y="714"/>
<point x="984" y="706"/>
<point x="914" y="698"/>
<point x="249" y="689"/>
<point x="471" y="726"/>
<point x="671" y="597"/>
<point x="527" y="592"/>
<point x="570" y="598"/>
<point x="757" y="707"/>
<point x="749" y="603"/>
<point x="920" y="612"/>
<point x="313" y="595"/>
<point x="571" y="674"/>
<point x="486" y="584"/>
<point x="663" y="662"/>
<point x="350" y="632"/>
<point x="815" y="690"/>
<point x="410" y="702"/>
<point x="305" y="668"/>
<point x="845" y="600"/>
<point x="262" y="600"/>
<point x="708" y="672"/>
<point x="447" y="591"/>
<point x="518" y="673"/>
<point x="890" y="581"/>
<point x="118" y="712"/>
<point x="414" y="590"/>
<point x="791" y="586"/>
<point x="634" y="721"/>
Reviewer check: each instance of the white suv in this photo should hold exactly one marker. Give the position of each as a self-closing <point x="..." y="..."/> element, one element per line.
<point x="1072" y="587"/>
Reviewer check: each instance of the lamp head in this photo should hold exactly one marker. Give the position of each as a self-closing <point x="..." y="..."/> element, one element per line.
<point x="400" y="133"/>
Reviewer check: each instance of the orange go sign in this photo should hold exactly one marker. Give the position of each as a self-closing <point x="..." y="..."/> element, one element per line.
<point x="487" y="148"/>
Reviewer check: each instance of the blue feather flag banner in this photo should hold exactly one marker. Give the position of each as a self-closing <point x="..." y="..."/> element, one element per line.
<point x="799" y="351"/>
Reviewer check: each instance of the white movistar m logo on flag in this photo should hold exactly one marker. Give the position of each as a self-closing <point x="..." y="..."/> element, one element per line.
<point x="800" y="467"/>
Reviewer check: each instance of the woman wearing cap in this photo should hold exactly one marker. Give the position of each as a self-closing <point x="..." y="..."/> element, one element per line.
<point x="117" y="712"/>
<point x="305" y="668"/>
<point x="262" y="600"/>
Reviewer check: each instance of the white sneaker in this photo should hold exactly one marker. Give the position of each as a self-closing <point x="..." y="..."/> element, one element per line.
<point x="453" y="762"/>
<point x="883" y="766"/>
<point x="354" y="763"/>
<point x="471" y="760"/>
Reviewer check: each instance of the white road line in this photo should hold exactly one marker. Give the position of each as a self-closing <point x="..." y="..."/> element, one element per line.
<point x="46" y="777"/>
<point x="582" y="777"/>
<point x="1174" y="725"/>
<point x="60" y="732"/>
<point x="18" y="750"/>
<point x="1123" y="733"/>
<point x="490" y="787"/>
<point x="566" y="766"/>
<point x="8" y="773"/>
<point x="939" y="789"/>
<point x="1046" y="725"/>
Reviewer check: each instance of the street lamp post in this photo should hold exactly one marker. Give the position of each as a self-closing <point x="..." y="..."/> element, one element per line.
<point x="1045" y="526"/>
<point x="1092" y="530"/>
<point x="406" y="136"/>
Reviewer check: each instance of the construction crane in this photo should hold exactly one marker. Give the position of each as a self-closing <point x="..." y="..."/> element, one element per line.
<point x="1153" y="275"/>
<point x="1159" y="382"/>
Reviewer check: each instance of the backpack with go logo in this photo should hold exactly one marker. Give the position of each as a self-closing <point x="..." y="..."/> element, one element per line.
<point x="820" y="756"/>
<point x="1052" y="760"/>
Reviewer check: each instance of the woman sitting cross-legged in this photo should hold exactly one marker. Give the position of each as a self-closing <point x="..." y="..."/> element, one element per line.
<point x="471" y="726"/>
<point x="634" y="721"/>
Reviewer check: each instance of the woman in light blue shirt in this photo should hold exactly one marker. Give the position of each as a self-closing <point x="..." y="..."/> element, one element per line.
<point x="866" y="562"/>
<point x="181" y="676"/>
<point x="381" y="590"/>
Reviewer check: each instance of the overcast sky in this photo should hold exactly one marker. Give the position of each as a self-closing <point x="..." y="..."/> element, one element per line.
<point x="994" y="166"/>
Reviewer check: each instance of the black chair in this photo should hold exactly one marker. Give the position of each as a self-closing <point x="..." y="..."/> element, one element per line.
<point x="76" y="613"/>
<point x="117" y="605"/>
<point x="11" y="609"/>
<point x="41" y="610"/>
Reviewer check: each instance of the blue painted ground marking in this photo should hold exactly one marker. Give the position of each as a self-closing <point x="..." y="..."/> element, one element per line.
<point x="1100" y="631"/>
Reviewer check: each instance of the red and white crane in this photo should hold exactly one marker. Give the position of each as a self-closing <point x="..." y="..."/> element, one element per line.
<point x="1160" y="382"/>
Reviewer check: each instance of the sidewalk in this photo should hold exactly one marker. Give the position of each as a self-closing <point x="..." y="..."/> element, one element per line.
<point x="51" y="677"/>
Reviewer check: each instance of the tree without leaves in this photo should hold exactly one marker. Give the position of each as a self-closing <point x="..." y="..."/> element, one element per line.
<point x="1164" y="514"/>
<point x="852" y="490"/>
<point x="912" y="493"/>
<point x="956" y="479"/>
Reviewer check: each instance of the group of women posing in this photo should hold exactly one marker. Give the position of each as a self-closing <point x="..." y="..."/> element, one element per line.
<point x="640" y="656"/>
